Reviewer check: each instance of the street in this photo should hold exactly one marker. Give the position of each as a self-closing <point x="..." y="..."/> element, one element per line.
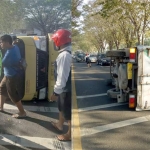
<point x="105" y="124"/>
<point x="34" y="132"/>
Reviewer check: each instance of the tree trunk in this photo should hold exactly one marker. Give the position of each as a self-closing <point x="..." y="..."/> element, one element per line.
<point x="110" y="45"/>
<point x="117" y="44"/>
<point x="142" y="41"/>
<point x="138" y="36"/>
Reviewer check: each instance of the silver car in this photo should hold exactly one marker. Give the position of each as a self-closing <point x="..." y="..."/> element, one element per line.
<point x="93" y="58"/>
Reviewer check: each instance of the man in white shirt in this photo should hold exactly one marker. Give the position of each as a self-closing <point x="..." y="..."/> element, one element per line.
<point x="62" y="87"/>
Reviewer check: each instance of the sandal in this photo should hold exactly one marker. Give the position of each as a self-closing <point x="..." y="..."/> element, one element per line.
<point x="63" y="138"/>
<point x="18" y="116"/>
<point x="55" y="126"/>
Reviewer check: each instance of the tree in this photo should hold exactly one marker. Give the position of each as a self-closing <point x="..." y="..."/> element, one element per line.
<point x="76" y="13"/>
<point x="48" y="15"/>
<point x="11" y="15"/>
<point x="136" y="13"/>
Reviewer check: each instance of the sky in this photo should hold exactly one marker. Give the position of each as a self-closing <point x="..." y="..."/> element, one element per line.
<point x="85" y="1"/>
<point x="80" y="8"/>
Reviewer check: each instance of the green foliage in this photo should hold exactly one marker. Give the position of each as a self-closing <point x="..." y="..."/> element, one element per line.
<point x="10" y="15"/>
<point x="45" y="15"/>
<point x="48" y="15"/>
<point x="116" y="23"/>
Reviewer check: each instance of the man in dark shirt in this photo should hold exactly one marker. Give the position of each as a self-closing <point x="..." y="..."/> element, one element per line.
<point x="10" y="84"/>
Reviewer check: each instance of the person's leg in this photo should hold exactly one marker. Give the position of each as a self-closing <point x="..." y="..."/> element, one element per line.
<point x="67" y="116"/>
<point x="20" y="88"/>
<point x="59" y="124"/>
<point x="2" y="101"/>
<point x="3" y="93"/>
<point x="11" y="85"/>
<point x="67" y="136"/>
<point x="69" y="129"/>
<point x="21" y="109"/>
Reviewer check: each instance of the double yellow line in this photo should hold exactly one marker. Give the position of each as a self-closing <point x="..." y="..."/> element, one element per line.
<point x="76" y="135"/>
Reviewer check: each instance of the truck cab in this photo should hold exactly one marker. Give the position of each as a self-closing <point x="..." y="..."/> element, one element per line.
<point x="39" y="54"/>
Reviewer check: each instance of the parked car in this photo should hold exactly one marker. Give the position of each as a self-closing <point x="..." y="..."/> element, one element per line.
<point x="102" y="60"/>
<point x="93" y="58"/>
<point x="80" y="57"/>
<point x="73" y="56"/>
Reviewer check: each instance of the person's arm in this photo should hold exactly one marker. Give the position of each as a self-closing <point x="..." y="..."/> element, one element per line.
<point x="63" y="70"/>
<point x="6" y="60"/>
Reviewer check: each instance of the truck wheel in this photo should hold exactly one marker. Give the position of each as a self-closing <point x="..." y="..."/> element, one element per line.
<point x="115" y="53"/>
<point x="112" y="93"/>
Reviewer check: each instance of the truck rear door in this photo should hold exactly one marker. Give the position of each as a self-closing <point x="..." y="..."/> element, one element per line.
<point x="143" y="80"/>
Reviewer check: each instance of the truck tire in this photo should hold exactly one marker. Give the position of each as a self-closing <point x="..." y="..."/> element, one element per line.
<point x="112" y="93"/>
<point x="117" y="53"/>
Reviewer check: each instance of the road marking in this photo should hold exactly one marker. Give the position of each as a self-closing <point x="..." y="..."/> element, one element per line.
<point x="87" y="96"/>
<point x="33" y="108"/>
<point x="98" y="129"/>
<point x="90" y="72"/>
<point x="34" y="142"/>
<point x="100" y="107"/>
<point x="86" y="79"/>
<point x="76" y="135"/>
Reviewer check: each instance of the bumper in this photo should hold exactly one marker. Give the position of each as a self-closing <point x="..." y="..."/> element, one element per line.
<point x="94" y="61"/>
<point x="106" y="63"/>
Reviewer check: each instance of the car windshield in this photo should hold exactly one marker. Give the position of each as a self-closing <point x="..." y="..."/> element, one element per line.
<point x="92" y="55"/>
<point x="81" y="55"/>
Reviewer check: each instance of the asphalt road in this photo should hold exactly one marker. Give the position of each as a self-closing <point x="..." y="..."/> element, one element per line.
<point x="105" y="125"/>
<point x="34" y="132"/>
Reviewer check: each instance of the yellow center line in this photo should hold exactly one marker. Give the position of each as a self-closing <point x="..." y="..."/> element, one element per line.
<point x="76" y="134"/>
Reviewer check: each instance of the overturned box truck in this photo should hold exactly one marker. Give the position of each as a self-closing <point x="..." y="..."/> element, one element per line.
<point x="132" y="77"/>
<point x="39" y="53"/>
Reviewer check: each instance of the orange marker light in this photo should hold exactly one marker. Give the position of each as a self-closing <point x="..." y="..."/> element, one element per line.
<point x="35" y="38"/>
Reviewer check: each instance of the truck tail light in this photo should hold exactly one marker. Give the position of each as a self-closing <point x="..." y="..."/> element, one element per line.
<point x="132" y="101"/>
<point x="132" y="55"/>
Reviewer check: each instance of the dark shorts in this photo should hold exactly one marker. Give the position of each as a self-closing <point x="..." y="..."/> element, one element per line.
<point x="88" y="61"/>
<point x="64" y="104"/>
<point x="13" y="87"/>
